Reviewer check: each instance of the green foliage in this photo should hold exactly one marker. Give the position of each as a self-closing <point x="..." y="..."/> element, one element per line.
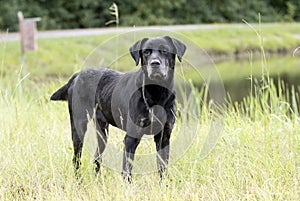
<point x="56" y="14"/>
<point x="63" y="14"/>
<point x="291" y="10"/>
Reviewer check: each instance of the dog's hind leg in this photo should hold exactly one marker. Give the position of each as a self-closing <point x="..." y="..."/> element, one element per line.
<point x="102" y="140"/>
<point x="76" y="138"/>
<point x="77" y="144"/>
<point x="102" y="134"/>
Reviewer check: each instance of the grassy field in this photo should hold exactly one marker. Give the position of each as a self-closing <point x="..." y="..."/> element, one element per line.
<point x="248" y="151"/>
<point x="255" y="158"/>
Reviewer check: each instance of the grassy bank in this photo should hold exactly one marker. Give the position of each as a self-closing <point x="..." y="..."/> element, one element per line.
<point x="238" y="41"/>
<point x="62" y="56"/>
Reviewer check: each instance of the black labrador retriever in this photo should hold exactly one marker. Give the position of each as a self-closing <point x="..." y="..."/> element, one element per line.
<point x="140" y="102"/>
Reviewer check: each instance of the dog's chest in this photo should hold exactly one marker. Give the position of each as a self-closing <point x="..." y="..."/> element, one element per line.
<point x="148" y="109"/>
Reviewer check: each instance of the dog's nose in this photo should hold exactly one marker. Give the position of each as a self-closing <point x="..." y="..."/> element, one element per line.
<point x="155" y="62"/>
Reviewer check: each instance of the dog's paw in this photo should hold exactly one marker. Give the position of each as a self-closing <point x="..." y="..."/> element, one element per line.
<point x="127" y="177"/>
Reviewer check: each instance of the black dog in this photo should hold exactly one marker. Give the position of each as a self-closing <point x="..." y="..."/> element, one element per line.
<point x="140" y="102"/>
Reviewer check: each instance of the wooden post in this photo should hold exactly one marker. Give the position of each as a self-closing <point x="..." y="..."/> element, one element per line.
<point x="28" y="33"/>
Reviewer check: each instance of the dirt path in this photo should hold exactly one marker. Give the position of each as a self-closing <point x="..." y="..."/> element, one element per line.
<point x="99" y="31"/>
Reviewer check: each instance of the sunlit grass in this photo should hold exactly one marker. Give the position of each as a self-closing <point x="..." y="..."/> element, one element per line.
<point x="255" y="158"/>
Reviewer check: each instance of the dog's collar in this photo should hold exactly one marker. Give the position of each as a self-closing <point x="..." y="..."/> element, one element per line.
<point x="143" y="93"/>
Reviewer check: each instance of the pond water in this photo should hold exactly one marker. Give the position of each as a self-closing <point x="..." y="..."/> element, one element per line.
<point x="238" y="75"/>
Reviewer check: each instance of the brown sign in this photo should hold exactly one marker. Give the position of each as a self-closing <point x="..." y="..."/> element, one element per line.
<point x="28" y="32"/>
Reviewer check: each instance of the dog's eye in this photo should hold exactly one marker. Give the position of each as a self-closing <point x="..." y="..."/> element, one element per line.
<point x="147" y="52"/>
<point x="164" y="51"/>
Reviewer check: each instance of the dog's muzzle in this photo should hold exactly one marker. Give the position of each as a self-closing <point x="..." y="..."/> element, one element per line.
<point x="157" y="70"/>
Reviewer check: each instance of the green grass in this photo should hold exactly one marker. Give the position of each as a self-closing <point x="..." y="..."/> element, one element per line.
<point x="256" y="156"/>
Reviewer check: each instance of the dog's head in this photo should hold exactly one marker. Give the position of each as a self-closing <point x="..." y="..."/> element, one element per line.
<point x="157" y="56"/>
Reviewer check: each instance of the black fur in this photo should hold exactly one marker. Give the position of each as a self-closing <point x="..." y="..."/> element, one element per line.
<point x="140" y="102"/>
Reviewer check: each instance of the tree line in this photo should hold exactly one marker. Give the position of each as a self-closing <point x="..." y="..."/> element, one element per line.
<point x="65" y="14"/>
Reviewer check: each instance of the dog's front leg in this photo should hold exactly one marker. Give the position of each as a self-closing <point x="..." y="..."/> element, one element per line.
<point x="131" y="144"/>
<point x="162" y="141"/>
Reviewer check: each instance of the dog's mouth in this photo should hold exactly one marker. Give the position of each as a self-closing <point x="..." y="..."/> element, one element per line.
<point x="157" y="76"/>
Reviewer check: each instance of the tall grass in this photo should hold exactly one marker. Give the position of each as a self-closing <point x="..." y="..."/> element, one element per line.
<point x="256" y="156"/>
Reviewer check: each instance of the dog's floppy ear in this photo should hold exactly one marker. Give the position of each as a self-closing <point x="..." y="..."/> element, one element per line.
<point x="135" y="50"/>
<point x="179" y="46"/>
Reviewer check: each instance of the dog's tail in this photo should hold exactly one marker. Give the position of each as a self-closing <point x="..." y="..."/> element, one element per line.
<point x="62" y="93"/>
